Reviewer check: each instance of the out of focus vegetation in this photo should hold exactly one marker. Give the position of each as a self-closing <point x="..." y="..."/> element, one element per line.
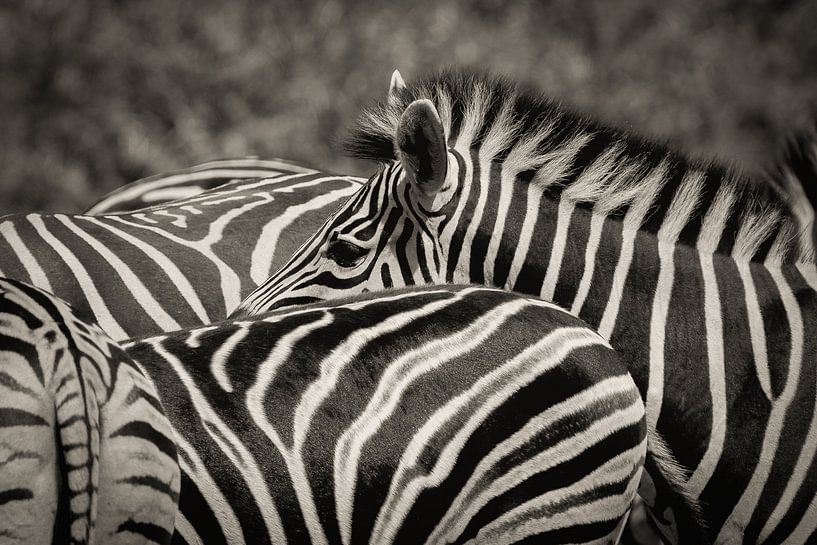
<point x="95" y="94"/>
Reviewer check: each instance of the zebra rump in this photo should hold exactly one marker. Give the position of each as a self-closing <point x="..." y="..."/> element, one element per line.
<point x="86" y="453"/>
<point x="439" y="415"/>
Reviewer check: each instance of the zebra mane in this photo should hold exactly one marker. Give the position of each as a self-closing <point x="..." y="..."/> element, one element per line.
<point x="699" y="203"/>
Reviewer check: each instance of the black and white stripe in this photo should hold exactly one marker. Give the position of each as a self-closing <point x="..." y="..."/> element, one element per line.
<point x="191" y="182"/>
<point x="697" y="275"/>
<point x="423" y="416"/>
<point x="86" y="452"/>
<point x="183" y="263"/>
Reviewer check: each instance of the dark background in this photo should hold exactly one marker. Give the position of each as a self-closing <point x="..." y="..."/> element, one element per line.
<point x="96" y="94"/>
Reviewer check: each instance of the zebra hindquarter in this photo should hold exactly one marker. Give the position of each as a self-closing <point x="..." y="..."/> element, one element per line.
<point x="86" y="454"/>
<point x="431" y="415"/>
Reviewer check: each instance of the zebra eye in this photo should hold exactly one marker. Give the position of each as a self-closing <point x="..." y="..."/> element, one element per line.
<point x="345" y="253"/>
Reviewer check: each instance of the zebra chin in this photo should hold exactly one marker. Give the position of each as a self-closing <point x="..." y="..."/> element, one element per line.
<point x="286" y="302"/>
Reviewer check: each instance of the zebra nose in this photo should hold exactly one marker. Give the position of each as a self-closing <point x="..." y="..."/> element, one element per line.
<point x="365" y="290"/>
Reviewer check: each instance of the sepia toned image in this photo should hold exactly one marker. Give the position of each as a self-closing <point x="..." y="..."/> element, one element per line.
<point x="334" y="272"/>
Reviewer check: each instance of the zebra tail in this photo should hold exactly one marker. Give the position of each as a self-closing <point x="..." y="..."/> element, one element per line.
<point x="117" y="457"/>
<point x="670" y="478"/>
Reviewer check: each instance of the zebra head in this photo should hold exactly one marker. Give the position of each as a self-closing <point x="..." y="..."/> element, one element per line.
<point x="389" y="233"/>
<point x="482" y="181"/>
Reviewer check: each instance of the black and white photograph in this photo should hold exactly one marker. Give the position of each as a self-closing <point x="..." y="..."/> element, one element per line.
<point x="478" y="272"/>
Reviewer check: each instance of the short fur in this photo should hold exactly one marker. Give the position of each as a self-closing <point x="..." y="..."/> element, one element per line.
<point x="88" y="455"/>
<point x="445" y="414"/>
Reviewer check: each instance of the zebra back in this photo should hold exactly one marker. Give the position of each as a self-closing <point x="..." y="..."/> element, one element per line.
<point x="183" y="263"/>
<point x="189" y="182"/>
<point x="87" y="452"/>
<point x="445" y="415"/>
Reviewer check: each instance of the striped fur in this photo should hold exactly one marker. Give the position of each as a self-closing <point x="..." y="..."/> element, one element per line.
<point x="183" y="263"/>
<point x="423" y="416"/>
<point x="692" y="271"/>
<point x="190" y="182"/>
<point x="111" y="476"/>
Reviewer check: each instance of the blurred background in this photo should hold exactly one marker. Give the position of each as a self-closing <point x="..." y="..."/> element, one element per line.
<point x="95" y="94"/>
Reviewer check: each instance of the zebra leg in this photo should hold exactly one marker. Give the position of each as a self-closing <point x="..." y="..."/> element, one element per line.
<point x="111" y="476"/>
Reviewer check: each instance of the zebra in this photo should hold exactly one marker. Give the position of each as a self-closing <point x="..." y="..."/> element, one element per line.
<point x="190" y="182"/>
<point x="162" y="265"/>
<point x="112" y="475"/>
<point x="694" y="273"/>
<point x="183" y="263"/>
<point x="428" y="415"/>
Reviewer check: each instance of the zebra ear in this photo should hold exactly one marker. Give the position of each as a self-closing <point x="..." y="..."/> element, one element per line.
<point x="421" y="146"/>
<point x="395" y="86"/>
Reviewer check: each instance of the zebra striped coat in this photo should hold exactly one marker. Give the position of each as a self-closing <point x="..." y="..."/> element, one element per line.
<point x="424" y="416"/>
<point x="111" y="477"/>
<point x="190" y="182"/>
<point x="697" y="277"/>
<point x="186" y="262"/>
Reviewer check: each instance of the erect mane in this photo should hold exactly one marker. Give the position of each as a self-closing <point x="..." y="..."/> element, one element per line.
<point x="458" y="96"/>
<point x="595" y="164"/>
